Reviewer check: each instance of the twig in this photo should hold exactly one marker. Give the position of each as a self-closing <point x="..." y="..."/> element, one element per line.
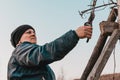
<point x="82" y="12"/>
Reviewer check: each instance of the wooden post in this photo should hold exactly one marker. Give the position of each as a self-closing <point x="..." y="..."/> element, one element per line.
<point x="113" y="15"/>
<point x="97" y="50"/>
<point x="108" y="27"/>
<point x="105" y="54"/>
<point x="118" y="3"/>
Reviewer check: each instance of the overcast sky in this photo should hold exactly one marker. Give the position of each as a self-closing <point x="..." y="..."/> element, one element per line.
<point x="51" y="19"/>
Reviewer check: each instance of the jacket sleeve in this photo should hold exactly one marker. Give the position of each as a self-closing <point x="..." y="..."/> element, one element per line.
<point x="48" y="53"/>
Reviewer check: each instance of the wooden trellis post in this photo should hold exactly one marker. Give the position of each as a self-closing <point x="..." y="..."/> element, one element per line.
<point x="102" y="52"/>
<point x="107" y="28"/>
<point x="118" y="3"/>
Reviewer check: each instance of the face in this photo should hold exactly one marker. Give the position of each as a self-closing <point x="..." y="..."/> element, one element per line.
<point x="29" y="36"/>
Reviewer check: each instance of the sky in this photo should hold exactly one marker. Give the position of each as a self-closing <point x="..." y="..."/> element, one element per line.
<point x="51" y="19"/>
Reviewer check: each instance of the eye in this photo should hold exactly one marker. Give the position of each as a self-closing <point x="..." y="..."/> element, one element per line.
<point x="30" y="32"/>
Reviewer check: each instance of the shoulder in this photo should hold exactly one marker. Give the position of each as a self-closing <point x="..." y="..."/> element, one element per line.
<point x="26" y="46"/>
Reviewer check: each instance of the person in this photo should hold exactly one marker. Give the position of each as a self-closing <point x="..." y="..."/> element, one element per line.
<point x="30" y="61"/>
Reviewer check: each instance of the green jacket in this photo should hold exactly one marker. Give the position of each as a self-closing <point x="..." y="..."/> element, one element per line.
<point x="30" y="61"/>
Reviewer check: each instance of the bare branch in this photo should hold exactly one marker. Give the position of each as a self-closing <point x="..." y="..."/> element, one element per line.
<point x="112" y="1"/>
<point x="82" y="12"/>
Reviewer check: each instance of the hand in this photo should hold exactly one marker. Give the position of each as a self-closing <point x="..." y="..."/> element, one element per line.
<point x="84" y="31"/>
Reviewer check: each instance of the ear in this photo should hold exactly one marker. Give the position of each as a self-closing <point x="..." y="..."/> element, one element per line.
<point x="19" y="43"/>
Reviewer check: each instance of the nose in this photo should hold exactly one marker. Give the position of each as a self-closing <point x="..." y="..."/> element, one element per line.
<point x="32" y="33"/>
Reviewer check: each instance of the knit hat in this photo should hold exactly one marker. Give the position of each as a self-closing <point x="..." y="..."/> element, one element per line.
<point x="17" y="33"/>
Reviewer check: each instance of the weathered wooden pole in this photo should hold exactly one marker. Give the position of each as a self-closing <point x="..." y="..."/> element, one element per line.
<point x="118" y="3"/>
<point x="107" y="28"/>
<point x="96" y="52"/>
<point x="105" y="54"/>
<point x="98" y="48"/>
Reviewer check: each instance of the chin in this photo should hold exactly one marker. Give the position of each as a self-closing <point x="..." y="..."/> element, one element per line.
<point x="34" y="42"/>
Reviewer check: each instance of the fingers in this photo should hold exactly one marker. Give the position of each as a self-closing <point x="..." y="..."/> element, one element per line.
<point x="88" y="34"/>
<point x="84" y="31"/>
<point x="88" y="31"/>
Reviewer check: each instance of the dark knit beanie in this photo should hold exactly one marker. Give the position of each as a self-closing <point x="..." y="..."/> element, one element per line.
<point x="18" y="32"/>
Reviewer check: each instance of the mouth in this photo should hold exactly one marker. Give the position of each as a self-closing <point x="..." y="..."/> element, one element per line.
<point x="33" y="38"/>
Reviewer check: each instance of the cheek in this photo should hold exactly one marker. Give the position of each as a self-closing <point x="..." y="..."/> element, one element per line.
<point x="24" y="38"/>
